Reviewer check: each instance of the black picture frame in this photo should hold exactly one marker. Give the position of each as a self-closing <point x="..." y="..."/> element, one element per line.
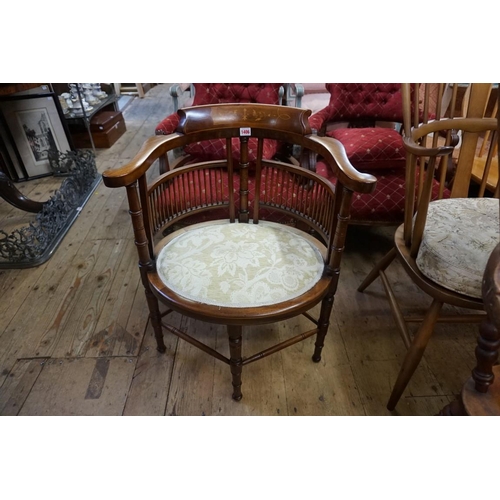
<point x="32" y="124"/>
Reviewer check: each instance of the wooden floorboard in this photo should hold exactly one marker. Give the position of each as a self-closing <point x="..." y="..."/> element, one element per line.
<point x="75" y="337"/>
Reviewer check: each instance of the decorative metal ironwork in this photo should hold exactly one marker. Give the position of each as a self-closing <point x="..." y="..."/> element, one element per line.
<point x="33" y="244"/>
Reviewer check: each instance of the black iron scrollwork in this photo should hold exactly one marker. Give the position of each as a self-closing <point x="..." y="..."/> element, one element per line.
<point x="33" y="244"/>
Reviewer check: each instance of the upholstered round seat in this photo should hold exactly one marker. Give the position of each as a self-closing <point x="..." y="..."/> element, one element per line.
<point x="240" y="265"/>
<point x="459" y="236"/>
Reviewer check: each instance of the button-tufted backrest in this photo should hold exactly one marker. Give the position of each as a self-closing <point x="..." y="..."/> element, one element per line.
<point x="217" y="93"/>
<point x="380" y="101"/>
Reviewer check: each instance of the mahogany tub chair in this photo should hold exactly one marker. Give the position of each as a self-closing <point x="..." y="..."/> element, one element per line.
<point x="443" y="245"/>
<point x="236" y="269"/>
<point x="220" y="93"/>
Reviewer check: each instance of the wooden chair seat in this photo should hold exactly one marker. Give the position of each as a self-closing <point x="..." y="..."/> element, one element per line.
<point x="241" y="270"/>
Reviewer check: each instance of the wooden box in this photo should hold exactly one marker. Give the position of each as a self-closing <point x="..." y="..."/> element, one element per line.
<point x="104" y="139"/>
<point x="104" y="120"/>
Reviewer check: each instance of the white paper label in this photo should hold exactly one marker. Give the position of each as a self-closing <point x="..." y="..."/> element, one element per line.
<point x="245" y="131"/>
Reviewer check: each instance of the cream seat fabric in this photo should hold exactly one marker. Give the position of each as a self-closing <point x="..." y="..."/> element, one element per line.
<point x="240" y="265"/>
<point x="459" y="236"/>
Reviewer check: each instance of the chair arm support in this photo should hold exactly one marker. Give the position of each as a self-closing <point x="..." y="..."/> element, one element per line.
<point x="318" y="120"/>
<point x="296" y="90"/>
<point x="344" y="171"/>
<point x="168" y="125"/>
<point x="281" y="93"/>
<point x="176" y="91"/>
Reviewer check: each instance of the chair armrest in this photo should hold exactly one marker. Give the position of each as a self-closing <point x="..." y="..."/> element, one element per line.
<point x="168" y="125"/>
<point x="475" y="125"/>
<point x="318" y="120"/>
<point x="412" y="147"/>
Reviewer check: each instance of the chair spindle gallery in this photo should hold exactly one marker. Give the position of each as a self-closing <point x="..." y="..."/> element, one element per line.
<point x="241" y="266"/>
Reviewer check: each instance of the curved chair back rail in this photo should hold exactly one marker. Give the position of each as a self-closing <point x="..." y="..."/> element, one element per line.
<point x="264" y="121"/>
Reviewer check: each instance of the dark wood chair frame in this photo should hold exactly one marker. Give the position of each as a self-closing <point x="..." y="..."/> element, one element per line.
<point x="317" y="206"/>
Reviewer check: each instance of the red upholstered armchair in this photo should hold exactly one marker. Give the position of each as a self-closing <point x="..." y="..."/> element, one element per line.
<point x="367" y="118"/>
<point x="219" y="93"/>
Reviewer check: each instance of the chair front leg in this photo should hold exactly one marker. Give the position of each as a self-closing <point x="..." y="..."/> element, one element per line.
<point x="234" y="332"/>
<point x="415" y="353"/>
<point x="323" y="324"/>
<point x="155" y="315"/>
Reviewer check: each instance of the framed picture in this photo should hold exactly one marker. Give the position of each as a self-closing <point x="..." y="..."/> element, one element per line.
<point x="33" y="125"/>
<point x="10" y="160"/>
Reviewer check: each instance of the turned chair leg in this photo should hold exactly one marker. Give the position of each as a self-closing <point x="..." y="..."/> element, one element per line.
<point x="415" y="353"/>
<point x="381" y="266"/>
<point x="234" y="332"/>
<point x="486" y="352"/>
<point x="155" y="315"/>
<point x="323" y="324"/>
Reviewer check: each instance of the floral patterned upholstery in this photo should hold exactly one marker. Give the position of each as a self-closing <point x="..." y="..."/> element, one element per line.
<point x="459" y="236"/>
<point x="215" y="93"/>
<point x="240" y="265"/>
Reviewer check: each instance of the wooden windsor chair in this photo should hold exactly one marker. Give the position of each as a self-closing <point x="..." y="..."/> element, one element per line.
<point x="238" y="269"/>
<point x="444" y="244"/>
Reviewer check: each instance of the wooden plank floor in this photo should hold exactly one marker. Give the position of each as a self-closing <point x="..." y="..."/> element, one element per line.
<point x="75" y="338"/>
